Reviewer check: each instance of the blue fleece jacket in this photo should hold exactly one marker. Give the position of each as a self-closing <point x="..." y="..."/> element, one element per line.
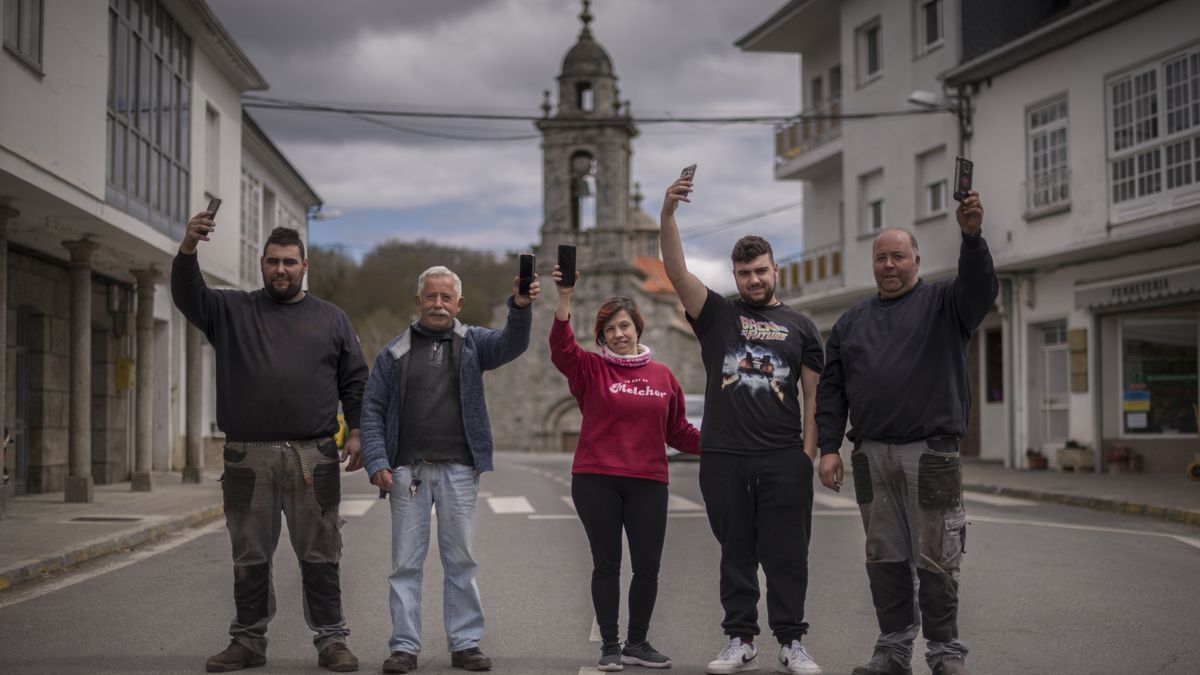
<point x="476" y="349"/>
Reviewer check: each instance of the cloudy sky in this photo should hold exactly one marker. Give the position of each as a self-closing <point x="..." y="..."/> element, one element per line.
<point x="673" y="58"/>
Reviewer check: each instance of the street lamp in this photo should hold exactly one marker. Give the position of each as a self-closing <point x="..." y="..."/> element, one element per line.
<point x="955" y="104"/>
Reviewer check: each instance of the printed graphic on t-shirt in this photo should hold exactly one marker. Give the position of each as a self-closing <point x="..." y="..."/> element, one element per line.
<point x="753" y="329"/>
<point x="638" y="386"/>
<point x="756" y="368"/>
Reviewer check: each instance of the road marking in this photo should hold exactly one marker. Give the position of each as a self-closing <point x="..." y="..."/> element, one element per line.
<point x="595" y="636"/>
<point x="677" y="503"/>
<point x="510" y="505"/>
<point x="996" y="500"/>
<point x="570" y="502"/>
<point x="172" y="541"/>
<point x="553" y="516"/>
<point x="1085" y="528"/>
<point x="484" y="495"/>
<point x="356" y="507"/>
<point x="833" y="502"/>
<point x="1187" y="540"/>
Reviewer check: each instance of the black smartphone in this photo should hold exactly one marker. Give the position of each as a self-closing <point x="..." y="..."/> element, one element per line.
<point x="213" y="204"/>
<point x="527" y="271"/>
<point x="566" y="264"/>
<point x="688" y="171"/>
<point x="963" y="168"/>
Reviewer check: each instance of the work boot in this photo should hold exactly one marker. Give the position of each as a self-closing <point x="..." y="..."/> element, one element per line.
<point x="883" y="664"/>
<point x="950" y="666"/>
<point x="234" y="657"/>
<point x="400" y="662"/>
<point x="470" y="659"/>
<point x="338" y="658"/>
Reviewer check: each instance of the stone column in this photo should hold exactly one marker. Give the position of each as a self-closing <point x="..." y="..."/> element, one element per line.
<point x="143" y="480"/>
<point x="194" y="456"/>
<point x="79" y="473"/>
<point x="6" y="214"/>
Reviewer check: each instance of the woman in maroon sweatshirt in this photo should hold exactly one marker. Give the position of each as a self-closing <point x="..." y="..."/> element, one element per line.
<point x="632" y="407"/>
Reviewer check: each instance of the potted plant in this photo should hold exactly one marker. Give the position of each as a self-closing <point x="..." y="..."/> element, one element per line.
<point x="1075" y="457"/>
<point x="1035" y="460"/>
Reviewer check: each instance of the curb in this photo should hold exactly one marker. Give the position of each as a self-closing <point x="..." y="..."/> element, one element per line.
<point x="29" y="570"/>
<point x="1164" y="513"/>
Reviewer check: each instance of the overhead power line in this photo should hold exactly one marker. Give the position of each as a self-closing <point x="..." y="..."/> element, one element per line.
<point x="705" y="230"/>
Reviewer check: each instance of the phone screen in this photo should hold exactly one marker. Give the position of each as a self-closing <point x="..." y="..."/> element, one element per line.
<point x="688" y="171"/>
<point x="963" y="168"/>
<point x="566" y="264"/>
<point x="527" y="267"/>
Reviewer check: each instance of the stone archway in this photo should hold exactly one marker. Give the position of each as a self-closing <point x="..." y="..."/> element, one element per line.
<point x="562" y="426"/>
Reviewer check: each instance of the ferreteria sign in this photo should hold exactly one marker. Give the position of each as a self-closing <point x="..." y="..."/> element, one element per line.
<point x="1138" y="288"/>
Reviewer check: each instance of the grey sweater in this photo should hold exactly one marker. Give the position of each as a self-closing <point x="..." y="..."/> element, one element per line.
<point x="281" y="368"/>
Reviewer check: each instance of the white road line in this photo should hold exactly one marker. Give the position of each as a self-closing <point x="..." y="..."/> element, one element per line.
<point x="1084" y="528"/>
<point x="570" y="502"/>
<point x="553" y="516"/>
<point x="484" y="495"/>
<point x="677" y="503"/>
<point x="171" y="542"/>
<point x="996" y="500"/>
<point x="834" y="502"/>
<point x="589" y="670"/>
<point x="356" y="507"/>
<point x="1187" y="540"/>
<point x="595" y="636"/>
<point x="510" y="505"/>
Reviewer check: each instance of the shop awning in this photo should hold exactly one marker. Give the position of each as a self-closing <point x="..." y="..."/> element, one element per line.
<point x="1138" y="287"/>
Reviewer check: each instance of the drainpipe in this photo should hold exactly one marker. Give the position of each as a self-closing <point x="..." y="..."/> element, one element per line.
<point x="1012" y="308"/>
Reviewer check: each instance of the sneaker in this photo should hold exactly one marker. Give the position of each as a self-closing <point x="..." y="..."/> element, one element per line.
<point x="338" y="658"/>
<point x="234" y="657"/>
<point x="950" y="666"/>
<point x="610" y="657"/>
<point x="643" y="654"/>
<point x="882" y="663"/>
<point x="470" y="659"/>
<point x="794" y="658"/>
<point x="400" y="662"/>
<point x="735" y="657"/>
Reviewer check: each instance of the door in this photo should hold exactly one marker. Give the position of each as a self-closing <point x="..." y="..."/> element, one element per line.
<point x="20" y="430"/>
<point x="1054" y="384"/>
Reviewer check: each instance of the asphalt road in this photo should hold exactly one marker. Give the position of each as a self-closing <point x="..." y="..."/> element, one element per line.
<point x="1045" y="588"/>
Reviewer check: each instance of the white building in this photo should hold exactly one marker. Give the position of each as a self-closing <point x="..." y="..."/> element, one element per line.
<point x="1083" y="120"/>
<point x="118" y="121"/>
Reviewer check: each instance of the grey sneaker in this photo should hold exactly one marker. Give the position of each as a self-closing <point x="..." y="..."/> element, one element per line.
<point x="950" y="666"/>
<point x="643" y="654"/>
<point x="883" y="664"/>
<point x="400" y="662"/>
<point x="234" y="657"/>
<point x="610" y="657"/>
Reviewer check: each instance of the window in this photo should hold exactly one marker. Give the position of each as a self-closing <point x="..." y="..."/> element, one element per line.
<point x="1159" y="375"/>
<point x="817" y="93"/>
<point x="993" y="356"/>
<point x="148" y="122"/>
<point x="929" y="25"/>
<point x="835" y="82"/>
<point x="583" y="96"/>
<point x="1154" y="128"/>
<point x="251" y="231"/>
<point x="870" y="190"/>
<point x="870" y="57"/>
<point x="931" y="183"/>
<point x="212" y="150"/>
<point x="1049" y="174"/>
<point x="23" y="30"/>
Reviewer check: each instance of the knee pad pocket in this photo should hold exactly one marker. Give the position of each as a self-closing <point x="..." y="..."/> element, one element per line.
<point x="939" y="481"/>
<point x="327" y="485"/>
<point x="237" y="488"/>
<point x="860" y="466"/>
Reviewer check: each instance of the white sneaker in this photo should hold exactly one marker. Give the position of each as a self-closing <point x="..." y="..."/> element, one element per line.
<point x="734" y="658"/>
<point x="794" y="658"/>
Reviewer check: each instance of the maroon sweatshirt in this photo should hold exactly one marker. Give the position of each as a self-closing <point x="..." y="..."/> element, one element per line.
<point x="629" y="412"/>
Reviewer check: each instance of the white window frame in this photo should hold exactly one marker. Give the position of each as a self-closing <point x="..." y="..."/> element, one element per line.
<point x="929" y="184"/>
<point x="1151" y="165"/>
<point x="921" y="37"/>
<point x="872" y="217"/>
<point x="862" y="51"/>
<point x="251" y="229"/>
<point x="1048" y="181"/>
<point x="212" y="151"/>
<point x="27" y="47"/>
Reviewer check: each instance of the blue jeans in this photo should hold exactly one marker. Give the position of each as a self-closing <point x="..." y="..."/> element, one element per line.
<point x="454" y="487"/>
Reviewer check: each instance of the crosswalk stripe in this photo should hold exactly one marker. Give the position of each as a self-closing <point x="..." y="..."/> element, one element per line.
<point x="595" y="636"/>
<point x="510" y="505"/>
<point x="677" y="503"/>
<point x="995" y="500"/>
<point x="833" y="502"/>
<point x="570" y="502"/>
<point x="356" y="507"/>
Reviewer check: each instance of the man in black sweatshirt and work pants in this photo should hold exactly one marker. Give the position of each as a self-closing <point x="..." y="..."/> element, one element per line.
<point x="896" y="364"/>
<point x="284" y="360"/>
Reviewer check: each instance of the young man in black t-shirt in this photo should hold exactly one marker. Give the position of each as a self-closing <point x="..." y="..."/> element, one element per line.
<point x="763" y="361"/>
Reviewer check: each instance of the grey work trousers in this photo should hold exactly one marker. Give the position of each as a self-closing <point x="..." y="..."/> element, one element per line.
<point x="910" y="497"/>
<point x="300" y="480"/>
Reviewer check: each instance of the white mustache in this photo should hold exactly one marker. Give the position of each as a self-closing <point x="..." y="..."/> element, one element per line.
<point x="439" y="312"/>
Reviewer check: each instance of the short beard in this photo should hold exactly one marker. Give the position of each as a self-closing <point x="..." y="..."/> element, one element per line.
<point x="765" y="302"/>
<point x="285" y="295"/>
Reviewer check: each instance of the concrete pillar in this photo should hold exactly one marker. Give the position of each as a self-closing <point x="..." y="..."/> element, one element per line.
<point x="6" y="214"/>
<point x="79" y="470"/>
<point x="143" y="480"/>
<point x="194" y="456"/>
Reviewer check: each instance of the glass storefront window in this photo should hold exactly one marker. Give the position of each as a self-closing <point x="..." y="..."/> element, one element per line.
<point x="1159" y="378"/>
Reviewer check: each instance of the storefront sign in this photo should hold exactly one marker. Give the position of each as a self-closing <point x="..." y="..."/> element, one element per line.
<point x="1136" y="400"/>
<point x="1138" y="288"/>
<point x="1136" y="420"/>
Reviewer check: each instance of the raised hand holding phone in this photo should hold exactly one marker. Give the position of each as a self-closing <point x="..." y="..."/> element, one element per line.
<point x="200" y="227"/>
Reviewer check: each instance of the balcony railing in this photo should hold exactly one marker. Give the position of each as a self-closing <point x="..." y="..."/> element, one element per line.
<point x="1049" y="191"/>
<point x="812" y="130"/>
<point x="814" y="270"/>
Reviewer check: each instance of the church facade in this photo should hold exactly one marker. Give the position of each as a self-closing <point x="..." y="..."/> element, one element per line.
<point x="587" y="202"/>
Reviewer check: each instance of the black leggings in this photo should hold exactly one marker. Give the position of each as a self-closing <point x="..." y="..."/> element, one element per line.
<point x="606" y="504"/>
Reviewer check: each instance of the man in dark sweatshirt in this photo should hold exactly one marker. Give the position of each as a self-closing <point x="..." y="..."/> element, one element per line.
<point x="896" y="364"/>
<point x="284" y="359"/>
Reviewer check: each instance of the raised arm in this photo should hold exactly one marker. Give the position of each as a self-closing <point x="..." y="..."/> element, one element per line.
<point x="691" y="291"/>
<point x="195" y="300"/>
<point x="976" y="287"/>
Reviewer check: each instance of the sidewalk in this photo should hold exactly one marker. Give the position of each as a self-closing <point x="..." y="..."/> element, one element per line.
<point x="40" y="534"/>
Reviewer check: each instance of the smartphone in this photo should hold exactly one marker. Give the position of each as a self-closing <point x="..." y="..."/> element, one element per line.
<point x="213" y="204"/>
<point x="962" y="177"/>
<point x="688" y="171"/>
<point x="566" y="264"/>
<point x="527" y="270"/>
